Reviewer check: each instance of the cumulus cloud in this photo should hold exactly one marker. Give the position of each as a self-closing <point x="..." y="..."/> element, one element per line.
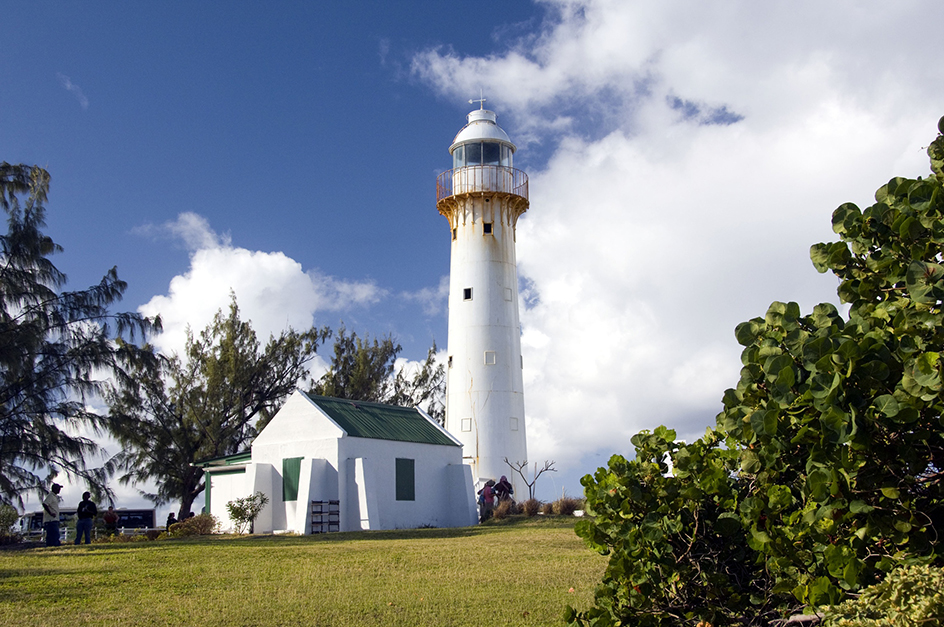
<point x="685" y="157"/>
<point x="69" y="86"/>
<point x="273" y="291"/>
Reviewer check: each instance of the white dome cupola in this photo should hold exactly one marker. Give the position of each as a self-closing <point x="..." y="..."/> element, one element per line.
<point x="482" y="142"/>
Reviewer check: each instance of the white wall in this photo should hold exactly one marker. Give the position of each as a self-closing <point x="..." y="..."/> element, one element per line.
<point x="299" y="429"/>
<point x="226" y="486"/>
<point x="435" y="484"/>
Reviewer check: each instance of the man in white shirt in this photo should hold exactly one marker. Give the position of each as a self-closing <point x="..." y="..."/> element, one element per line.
<point x="51" y="516"/>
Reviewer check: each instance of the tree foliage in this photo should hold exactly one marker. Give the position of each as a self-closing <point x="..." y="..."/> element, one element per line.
<point x="360" y="369"/>
<point x="363" y="370"/>
<point x="823" y="470"/>
<point x="55" y="346"/>
<point x="208" y="403"/>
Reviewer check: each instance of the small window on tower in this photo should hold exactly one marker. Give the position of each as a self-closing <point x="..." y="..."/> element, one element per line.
<point x="455" y="233"/>
<point x="513" y="423"/>
<point x="450" y="361"/>
<point x="488" y="228"/>
<point x="467" y="293"/>
<point x="466" y="424"/>
<point x="489" y="358"/>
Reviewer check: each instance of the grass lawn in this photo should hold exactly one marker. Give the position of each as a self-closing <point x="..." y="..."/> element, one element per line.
<point x="518" y="572"/>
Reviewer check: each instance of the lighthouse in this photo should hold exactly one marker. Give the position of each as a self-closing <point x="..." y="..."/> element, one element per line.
<point x="482" y="197"/>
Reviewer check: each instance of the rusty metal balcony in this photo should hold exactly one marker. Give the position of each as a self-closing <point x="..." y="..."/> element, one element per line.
<point x="475" y="179"/>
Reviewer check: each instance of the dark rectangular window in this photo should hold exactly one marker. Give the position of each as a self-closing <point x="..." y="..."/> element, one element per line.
<point x="488" y="227"/>
<point x="455" y="232"/>
<point x="406" y="481"/>
<point x="291" y="469"/>
<point x="491" y="153"/>
<point x="467" y="293"/>
<point x="473" y="154"/>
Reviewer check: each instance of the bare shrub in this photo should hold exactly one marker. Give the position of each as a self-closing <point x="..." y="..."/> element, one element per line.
<point x="566" y="506"/>
<point x="531" y="507"/>
<point x="504" y="509"/>
<point x="202" y="525"/>
<point x="547" y="508"/>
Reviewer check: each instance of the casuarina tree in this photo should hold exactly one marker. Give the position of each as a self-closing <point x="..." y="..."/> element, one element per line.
<point x="56" y="347"/>
<point x="209" y="402"/>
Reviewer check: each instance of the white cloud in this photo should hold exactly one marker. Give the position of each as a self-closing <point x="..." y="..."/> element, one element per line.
<point x="433" y="300"/>
<point x="653" y="231"/>
<point x="272" y="290"/>
<point x="68" y="85"/>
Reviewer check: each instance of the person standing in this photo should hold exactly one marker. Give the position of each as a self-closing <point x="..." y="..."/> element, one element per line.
<point x="487" y="500"/>
<point x="86" y="513"/>
<point x="503" y="489"/>
<point x="110" y="517"/>
<point x="51" y="515"/>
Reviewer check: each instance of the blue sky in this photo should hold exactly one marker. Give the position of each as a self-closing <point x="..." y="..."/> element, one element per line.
<point x="683" y="157"/>
<point x="298" y="129"/>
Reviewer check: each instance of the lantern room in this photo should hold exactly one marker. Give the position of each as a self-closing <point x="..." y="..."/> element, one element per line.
<point x="482" y="142"/>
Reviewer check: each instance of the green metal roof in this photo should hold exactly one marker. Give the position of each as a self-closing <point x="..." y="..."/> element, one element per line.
<point x="361" y="419"/>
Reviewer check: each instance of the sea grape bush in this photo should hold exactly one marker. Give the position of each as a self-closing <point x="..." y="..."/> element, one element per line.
<point x="822" y="473"/>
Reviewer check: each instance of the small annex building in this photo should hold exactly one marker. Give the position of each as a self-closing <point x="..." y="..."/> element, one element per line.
<point x="330" y="464"/>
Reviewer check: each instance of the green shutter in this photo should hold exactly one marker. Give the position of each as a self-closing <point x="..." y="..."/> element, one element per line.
<point x="291" y="469"/>
<point x="406" y="484"/>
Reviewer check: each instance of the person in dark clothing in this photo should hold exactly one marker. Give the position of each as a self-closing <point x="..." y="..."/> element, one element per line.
<point x="86" y="513"/>
<point x="487" y="500"/>
<point x="503" y="489"/>
<point x="171" y="520"/>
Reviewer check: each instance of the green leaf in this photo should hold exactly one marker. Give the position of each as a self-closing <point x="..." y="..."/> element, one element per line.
<point x="925" y="282"/>
<point x="818" y="484"/>
<point x="890" y="493"/>
<point x="727" y="524"/>
<point x="925" y="370"/>
<point x="750" y="463"/>
<point x="860" y="507"/>
<point x="887" y="404"/>
<point x="844" y="216"/>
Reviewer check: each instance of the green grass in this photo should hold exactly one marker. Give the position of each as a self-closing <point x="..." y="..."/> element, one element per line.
<point x="516" y="573"/>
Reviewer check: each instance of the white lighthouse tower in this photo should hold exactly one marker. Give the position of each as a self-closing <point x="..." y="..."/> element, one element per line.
<point x="482" y="197"/>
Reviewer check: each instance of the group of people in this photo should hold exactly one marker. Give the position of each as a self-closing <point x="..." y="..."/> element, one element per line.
<point x="85" y="515"/>
<point x="491" y="491"/>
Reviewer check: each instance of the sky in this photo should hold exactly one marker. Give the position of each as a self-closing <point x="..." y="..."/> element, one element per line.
<point x="682" y="159"/>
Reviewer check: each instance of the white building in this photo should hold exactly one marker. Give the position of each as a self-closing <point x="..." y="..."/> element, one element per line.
<point x="330" y="464"/>
<point x="482" y="197"/>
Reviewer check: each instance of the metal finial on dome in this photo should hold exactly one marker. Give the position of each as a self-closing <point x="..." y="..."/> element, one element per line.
<point x="480" y="100"/>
